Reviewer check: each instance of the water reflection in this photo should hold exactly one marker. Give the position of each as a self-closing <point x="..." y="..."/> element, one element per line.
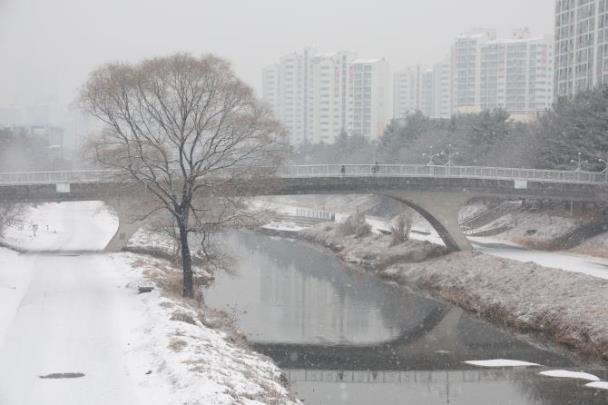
<point x="344" y="337"/>
<point x="463" y="387"/>
<point x="293" y="293"/>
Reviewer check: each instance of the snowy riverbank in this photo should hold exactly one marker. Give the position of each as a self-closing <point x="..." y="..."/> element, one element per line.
<point x="564" y="307"/>
<point x="83" y="314"/>
<point x="192" y="359"/>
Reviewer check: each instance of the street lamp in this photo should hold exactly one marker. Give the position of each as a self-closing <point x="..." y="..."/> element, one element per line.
<point x="579" y="163"/>
<point x="605" y="171"/>
<point x="451" y="156"/>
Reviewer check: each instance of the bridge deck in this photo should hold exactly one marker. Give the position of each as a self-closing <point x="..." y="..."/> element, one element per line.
<point x="338" y="170"/>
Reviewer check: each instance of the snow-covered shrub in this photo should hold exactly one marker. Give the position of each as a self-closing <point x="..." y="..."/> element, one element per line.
<point x="354" y="225"/>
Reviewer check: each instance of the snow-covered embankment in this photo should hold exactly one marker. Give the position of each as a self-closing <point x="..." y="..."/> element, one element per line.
<point x="566" y="308"/>
<point x="84" y="314"/>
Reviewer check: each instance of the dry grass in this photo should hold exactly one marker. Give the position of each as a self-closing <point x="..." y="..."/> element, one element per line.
<point x="185" y="317"/>
<point x="177" y="345"/>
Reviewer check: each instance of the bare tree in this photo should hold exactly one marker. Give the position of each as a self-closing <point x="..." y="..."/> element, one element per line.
<point x="189" y="131"/>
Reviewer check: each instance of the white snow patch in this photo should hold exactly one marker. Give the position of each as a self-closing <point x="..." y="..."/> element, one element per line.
<point x="501" y="363"/>
<point x="601" y="385"/>
<point x="570" y="374"/>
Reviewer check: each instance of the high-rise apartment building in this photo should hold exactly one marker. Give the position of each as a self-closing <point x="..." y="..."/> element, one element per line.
<point x="317" y="96"/>
<point x="413" y="91"/>
<point x="442" y="90"/>
<point x="466" y="69"/>
<point x="515" y="74"/>
<point x="271" y="85"/>
<point x="286" y="87"/>
<point x="370" y="97"/>
<point x="329" y="97"/>
<point x="419" y="88"/>
<point x="581" y="45"/>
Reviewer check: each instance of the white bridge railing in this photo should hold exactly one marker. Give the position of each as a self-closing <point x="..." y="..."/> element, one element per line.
<point x="463" y="172"/>
<point x="338" y="170"/>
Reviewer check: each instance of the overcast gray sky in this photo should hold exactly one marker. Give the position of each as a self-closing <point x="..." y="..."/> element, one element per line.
<point x="47" y="47"/>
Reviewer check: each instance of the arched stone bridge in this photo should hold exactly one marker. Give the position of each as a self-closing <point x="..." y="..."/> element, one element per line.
<point x="436" y="192"/>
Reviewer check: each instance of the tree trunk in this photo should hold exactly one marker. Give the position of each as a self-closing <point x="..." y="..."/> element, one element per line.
<point x="188" y="284"/>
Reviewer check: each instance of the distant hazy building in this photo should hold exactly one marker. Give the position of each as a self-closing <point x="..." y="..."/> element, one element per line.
<point x="370" y="97"/>
<point x="581" y="45"/>
<point x="442" y="90"/>
<point x="317" y="96"/>
<point x="271" y="87"/>
<point x="329" y="98"/>
<point x="286" y="87"/>
<point x="419" y="88"/>
<point x="413" y="91"/>
<point x="466" y="70"/>
<point x="515" y="74"/>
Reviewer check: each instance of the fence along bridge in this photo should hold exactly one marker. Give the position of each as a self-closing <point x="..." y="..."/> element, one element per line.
<point x="436" y="192"/>
<point x="338" y="170"/>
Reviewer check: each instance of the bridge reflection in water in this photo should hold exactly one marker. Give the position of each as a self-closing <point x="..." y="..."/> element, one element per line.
<point x="344" y="337"/>
<point x="396" y="377"/>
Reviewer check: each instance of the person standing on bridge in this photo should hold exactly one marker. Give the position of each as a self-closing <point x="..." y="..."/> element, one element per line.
<point x="375" y="168"/>
<point x="343" y="170"/>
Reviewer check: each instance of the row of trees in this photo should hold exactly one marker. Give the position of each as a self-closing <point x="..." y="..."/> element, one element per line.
<point x="490" y="138"/>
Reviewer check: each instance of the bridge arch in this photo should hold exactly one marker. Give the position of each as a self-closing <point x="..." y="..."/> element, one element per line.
<point x="441" y="211"/>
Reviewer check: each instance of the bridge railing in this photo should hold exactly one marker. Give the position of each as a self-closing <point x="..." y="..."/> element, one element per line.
<point x="417" y="377"/>
<point x="56" y="177"/>
<point x="499" y="173"/>
<point x="338" y="170"/>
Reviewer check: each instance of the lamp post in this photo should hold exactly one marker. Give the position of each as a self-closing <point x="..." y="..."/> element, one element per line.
<point x="605" y="171"/>
<point x="451" y="155"/>
<point x="579" y="163"/>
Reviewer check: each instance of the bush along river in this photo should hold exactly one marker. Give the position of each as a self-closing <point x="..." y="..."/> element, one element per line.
<point x="345" y="337"/>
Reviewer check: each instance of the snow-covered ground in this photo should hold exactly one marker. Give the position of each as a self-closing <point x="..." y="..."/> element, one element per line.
<point x="596" y="246"/>
<point x="14" y="279"/>
<point x="79" y="320"/>
<point x="536" y="229"/>
<point x="85" y="226"/>
<point x="82" y="314"/>
<point x="568" y="261"/>
<point x="74" y="317"/>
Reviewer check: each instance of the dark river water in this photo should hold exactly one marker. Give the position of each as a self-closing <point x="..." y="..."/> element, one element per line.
<point x="345" y="337"/>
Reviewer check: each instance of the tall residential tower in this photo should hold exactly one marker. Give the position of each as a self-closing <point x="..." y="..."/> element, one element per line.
<point x="581" y="45"/>
<point x="515" y="74"/>
<point x="318" y="96"/>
